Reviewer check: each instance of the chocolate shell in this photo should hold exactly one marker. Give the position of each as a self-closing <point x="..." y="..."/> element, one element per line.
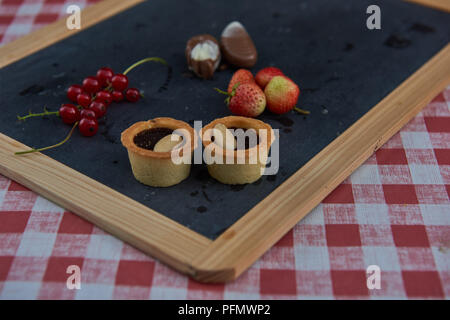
<point x="237" y="46"/>
<point x="203" y="55"/>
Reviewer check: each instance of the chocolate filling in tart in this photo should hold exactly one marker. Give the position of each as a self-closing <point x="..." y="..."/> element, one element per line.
<point x="147" y="139"/>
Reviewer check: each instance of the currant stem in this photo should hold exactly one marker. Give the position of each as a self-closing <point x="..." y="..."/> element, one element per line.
<point x="41" y="114"/>
<point x="155" y="59"/>
<point x="301" y="111"/>
<point x="50" y="147"/>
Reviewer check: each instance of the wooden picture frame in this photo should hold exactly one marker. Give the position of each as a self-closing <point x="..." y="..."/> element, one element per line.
<point x="225" y="258"/>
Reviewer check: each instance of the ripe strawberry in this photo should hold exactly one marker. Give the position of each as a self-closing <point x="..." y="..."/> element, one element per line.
<point x="248" y="100"/>
<point x="263" y="76"/>
<point x="241" y="76"/>
<point x="281" y="94"/>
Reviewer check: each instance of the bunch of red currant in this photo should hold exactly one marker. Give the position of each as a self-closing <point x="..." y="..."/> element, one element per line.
<point x="92" y="100"/>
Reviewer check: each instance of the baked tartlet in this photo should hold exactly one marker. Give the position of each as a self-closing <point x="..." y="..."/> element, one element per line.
<point x="150" y="150"/>
<point x="249" y="161"/>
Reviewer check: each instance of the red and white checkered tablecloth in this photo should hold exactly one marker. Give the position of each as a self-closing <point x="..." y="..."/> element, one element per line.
<point x="394" y="212"/>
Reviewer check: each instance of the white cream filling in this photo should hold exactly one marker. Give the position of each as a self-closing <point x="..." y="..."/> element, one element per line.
<point x="205" y="50"/>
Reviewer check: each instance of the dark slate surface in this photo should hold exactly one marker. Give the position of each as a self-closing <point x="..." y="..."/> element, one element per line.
<point x="340" y="65"/>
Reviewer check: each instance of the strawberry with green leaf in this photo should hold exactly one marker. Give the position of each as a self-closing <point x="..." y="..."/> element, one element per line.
<point x="241" y="76"/>
<point x="246" y="99"/>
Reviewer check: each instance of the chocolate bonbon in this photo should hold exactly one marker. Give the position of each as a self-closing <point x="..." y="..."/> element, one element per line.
<point x="203" y="55"/>
<point x="237" y="46"/>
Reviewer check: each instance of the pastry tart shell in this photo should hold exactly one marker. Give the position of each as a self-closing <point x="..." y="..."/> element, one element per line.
<point x="241" y="171"/>
<point x="157" y="168"/>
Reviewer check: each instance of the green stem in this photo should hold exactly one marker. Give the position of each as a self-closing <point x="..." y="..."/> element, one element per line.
<point x="155" y="59"/>
<point x="50" y="147"/>
<point x="41" y="114"/>
<point x="301" y="111"/>
<point x="229" y="95"/>
<point x="221" y="91"/>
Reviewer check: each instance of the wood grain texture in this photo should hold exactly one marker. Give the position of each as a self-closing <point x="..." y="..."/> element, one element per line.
<point x="244" y="242"/>
<point x="57" y="31"/>
<point x="123" y="217"/>
<point x="443" y="5"/>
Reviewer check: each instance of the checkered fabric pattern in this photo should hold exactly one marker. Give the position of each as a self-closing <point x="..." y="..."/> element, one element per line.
<point x="394" y="212"/>
<point x="20" y="17"/>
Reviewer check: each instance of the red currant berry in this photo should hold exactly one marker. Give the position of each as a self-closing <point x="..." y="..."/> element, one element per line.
<point x="99" y="108"/>
<point x="104" y="76"/>
<point x="88" y="127"/>
<point x="91" y="85"/>
<point x="105" y="97"/>
<point x="132" y="94"/>
<point x="117" y="96"/>
<point x="84" y="99"/>
<point x="119" y="82"/>
<point x="73" y="92"/>
<point x="87" y="113"/>
<point x="69" y="113"/>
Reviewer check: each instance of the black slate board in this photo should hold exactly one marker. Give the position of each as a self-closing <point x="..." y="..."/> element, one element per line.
<point x="343" y="69"/>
